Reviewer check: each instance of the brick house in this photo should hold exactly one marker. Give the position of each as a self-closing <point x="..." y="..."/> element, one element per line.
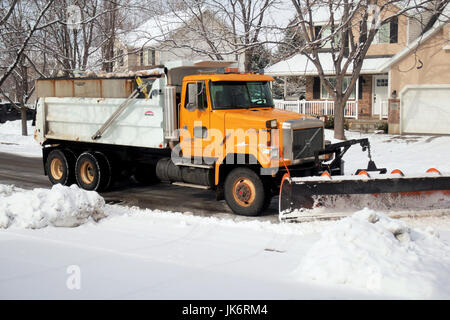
<point x="404" y="71"/>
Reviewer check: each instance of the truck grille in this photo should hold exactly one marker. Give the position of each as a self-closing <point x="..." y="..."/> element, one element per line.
<point x="306" y="141"/>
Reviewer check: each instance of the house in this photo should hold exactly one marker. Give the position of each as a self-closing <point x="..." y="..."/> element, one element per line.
<point x="173" y="36"/>
<point x="405" y="77"/>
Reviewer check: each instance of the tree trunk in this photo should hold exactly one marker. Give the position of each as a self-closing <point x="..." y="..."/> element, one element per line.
<point x="24" y="96"/>
<point x="248" y="60"/>
<point x="23" y="113"/>
<point x="339" y="119"/>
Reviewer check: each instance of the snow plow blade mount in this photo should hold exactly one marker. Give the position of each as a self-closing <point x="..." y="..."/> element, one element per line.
<point x="367" y="185"/>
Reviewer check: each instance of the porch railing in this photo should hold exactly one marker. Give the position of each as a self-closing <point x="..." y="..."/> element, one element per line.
<point x="317" y="108"/>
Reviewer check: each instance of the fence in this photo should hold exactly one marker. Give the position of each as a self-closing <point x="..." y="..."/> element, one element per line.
<point x="317" y="108"/>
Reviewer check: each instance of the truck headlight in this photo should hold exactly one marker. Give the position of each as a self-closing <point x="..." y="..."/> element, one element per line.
<point x="271" y="124"/>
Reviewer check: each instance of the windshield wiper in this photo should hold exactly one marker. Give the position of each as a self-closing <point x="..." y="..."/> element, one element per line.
<point x="262" y="105"/>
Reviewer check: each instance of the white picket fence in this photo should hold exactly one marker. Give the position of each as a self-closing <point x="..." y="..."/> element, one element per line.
<point x="317" y="108"/>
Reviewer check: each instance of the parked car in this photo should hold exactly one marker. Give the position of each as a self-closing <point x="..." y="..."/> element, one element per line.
<point x="9" y="113"/>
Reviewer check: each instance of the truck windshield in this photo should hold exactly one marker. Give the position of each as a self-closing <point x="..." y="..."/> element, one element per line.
<point x="239" y="95"/>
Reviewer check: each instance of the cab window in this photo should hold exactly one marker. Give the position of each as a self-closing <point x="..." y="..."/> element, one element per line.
<point x="196" y="89"/>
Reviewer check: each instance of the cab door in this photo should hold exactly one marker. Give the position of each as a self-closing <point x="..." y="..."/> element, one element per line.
<point x="194" y="119"/>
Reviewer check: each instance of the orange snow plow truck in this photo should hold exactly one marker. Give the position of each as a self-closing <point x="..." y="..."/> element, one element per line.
<point x="197" y="124"/>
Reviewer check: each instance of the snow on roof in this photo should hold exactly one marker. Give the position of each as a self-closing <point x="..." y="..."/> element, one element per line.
<point x="300" y="65"/>
<point x="155" y="30"/>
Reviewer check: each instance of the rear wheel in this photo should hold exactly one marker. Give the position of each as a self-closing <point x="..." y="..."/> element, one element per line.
<point x="92" y="171"/>
<point x="244" y="192"/>
<point x="60" y="167"/>
<point x="106" y="170"/>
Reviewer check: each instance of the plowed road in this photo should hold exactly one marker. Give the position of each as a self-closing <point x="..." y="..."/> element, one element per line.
<point x="27" y="173"/>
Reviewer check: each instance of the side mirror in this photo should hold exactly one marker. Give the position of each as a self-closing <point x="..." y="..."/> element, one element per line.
<point x="192" y="97"/>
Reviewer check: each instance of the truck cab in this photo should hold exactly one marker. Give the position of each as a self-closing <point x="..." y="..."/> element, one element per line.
<point x="228" y="121"/>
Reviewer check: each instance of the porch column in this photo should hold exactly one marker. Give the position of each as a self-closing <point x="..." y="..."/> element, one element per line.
<point x="285" y="87"/>
<point x="357" y="97"/>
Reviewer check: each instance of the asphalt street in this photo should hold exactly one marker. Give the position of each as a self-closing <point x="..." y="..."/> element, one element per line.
<point x="28" y="173"/>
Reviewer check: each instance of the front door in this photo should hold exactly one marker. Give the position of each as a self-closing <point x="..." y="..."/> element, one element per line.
<point x="380" y="93"/>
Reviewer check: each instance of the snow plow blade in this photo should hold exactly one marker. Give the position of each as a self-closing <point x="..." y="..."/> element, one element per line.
<point x="298" y="194"/>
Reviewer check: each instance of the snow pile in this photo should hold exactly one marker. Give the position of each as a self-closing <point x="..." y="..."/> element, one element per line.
<point x="372" y="251"/>
<point x="7" y="190"/>
<point x="60" y="206"/>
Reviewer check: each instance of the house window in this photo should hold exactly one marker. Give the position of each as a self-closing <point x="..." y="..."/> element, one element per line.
<point x="141" y="57"/>
<point x="149" y="57"/>
<point x="382" y="82"/>
<point x="324" y="93"/>
<point x="387" y="33"/>
<point x="119" y="55"/>
<point x="326" y="32"/>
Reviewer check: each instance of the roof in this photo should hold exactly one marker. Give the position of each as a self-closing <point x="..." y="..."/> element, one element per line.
<point x="158" y="29"/>
<point x="155" y="30"/>
<point x="441" y="21"/>
<point x="300" y="65"/>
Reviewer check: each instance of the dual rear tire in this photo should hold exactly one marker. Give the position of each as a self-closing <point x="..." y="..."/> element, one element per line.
<point x="91" y="170"/>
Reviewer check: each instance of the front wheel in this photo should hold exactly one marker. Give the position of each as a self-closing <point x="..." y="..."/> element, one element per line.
<point x="244" y="192"/>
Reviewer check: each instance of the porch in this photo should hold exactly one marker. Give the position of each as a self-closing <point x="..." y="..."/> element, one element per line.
<point x="326" y="108"/>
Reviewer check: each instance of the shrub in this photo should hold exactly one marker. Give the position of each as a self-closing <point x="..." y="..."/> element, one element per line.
<point x="329" y="123"/>
<point x="383" y="126"/>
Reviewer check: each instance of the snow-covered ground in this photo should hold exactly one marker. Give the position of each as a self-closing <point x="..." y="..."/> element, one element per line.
<point x="412" y="154"/>
<point x="12" y="141"/>
<point x="66" y="243"/>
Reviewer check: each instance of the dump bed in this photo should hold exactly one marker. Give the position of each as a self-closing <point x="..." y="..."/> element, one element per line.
<point x="78" y="119"/>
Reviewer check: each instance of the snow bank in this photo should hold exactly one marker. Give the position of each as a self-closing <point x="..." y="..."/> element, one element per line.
<point x="374" y="252"/>
<point x="60" y="206"/>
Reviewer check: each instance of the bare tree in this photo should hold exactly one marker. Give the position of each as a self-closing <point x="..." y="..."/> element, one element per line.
<point x="227" y="27"/>
<point x="16" y="35"/>
<point x="352" y="26"/>
<point x="82" y="44"/>
<point x="27" y="33"/>
<point x="9" y="10"/>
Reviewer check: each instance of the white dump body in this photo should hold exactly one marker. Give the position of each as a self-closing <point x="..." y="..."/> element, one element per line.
<point x="78" y="119"/>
